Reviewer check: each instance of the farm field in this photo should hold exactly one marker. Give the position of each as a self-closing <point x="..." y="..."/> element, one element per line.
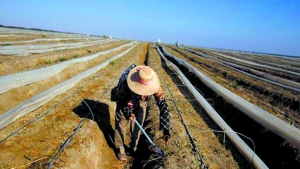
<point x="74" y="128"/>
<point x="277" y="100"/>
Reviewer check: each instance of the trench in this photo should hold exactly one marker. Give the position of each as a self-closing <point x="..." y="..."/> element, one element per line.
<point x="272" y="149"/>
<point x="266" y="70"/>
<point x="144" y="155"/>
<point x="277" y="99"/>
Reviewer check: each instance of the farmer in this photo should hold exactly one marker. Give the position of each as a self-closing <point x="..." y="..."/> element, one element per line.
<point x="133" y="94"/>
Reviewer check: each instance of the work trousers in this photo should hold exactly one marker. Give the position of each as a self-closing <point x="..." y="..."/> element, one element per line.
<point x="121" y="125"/>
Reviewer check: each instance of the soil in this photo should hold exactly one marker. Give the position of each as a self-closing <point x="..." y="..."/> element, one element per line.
<point x="44" y="130"/>
<point x="76" y="128"/>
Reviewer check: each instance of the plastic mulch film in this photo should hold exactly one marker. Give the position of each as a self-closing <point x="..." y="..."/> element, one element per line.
<point x="46" y="96"/>
<point x="257" y="64"/>
<point x="237" y="141"/>
<point x="274" y="124"/>
<point x="288" y="84"/>
<point x="24" y="78"/>
<point x="30" y="49"/>
<point x="44" y="40"/>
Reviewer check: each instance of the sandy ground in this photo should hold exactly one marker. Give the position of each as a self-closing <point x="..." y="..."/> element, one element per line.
<point x="16" y="64"/>
<point x="36" y="144"/>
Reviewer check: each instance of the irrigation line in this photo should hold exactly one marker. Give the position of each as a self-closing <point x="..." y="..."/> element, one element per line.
<point x="80" y="124"/>
<point x="172" y="73"/>
<point x="186" y="128"/>
<point x="46" y="96"/>
<point x="65" y="143"/>
<point x="271" y="122"/>
<point x="219" y="131"/>
<point x="272" y="107"/>
<point x="208" y="99"/>
<point x="68" y="140"/>
<point x="47" y="112"/>
<point x="115" y="79"/>
<point x="89" y="109"/>
<point x="199" y="91"/>
<point x="238" y="142"/>
<point x="280" y="84"/>
<point x="180" y="85"/>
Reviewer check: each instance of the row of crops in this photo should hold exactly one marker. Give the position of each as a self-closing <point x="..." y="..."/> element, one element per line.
<point x="58" y="112"/>
<point x="236" y="106"/>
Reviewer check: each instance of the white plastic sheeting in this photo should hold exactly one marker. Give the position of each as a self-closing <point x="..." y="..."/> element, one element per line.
<point x="238" y="142"/>
<point x="257" y="64"/>
<point x="295" y="86"/>
<point x="20" y="79"/>
<point x="14" y="35"/>
<point x="272" y="123"/>
<point x="42" y="98"/>
<point x="45" y="39"/>
<point x="266" y="75"/>
<point x="283" y="65"/>
<point x="30" y="49"/>
<point x="13" y="31"/>
<point x="265" y="79"/>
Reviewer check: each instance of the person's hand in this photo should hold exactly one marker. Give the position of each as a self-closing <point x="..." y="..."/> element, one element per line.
<point x="132" y="117"/>
<point x="167" y="139"/>
<point x="166" y="136"/>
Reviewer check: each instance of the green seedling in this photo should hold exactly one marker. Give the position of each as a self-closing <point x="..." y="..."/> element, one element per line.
<point x="48" y="62"/>
<point x="234" y="85"/>
<point x="61" y="59"/>
<point x="55" y="124"/>
<point x="165" y="149"/>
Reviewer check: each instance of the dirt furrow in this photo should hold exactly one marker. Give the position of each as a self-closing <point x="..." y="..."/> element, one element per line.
<point x="18" y="95"/>
<point x="15" y="64"/>
<point x="276" y="100"/>
<point x="279" y="73"/>
<point x="89" y="148"/>
<point x="268" y="146"/>
<point x="180" y="150"/>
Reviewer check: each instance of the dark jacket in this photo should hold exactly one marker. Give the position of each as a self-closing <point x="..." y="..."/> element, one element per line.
<point x="125" y="95"/>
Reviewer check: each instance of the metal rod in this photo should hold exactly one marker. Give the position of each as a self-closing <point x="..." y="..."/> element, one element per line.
<point x="148" y="138"/>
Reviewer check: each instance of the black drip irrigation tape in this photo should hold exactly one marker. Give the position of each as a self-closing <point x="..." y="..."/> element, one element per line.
<point x="50" y="110"/>
<point x="292" y="104"/>
<point x="146" y="156"/>
<point x="272" y="149"/>
<point x="195" y="148"/>
<point x="53" y="108"/>
<point x="211" y="124"/>
<point x="278" y="73"/>
<point x="81" y="123"/>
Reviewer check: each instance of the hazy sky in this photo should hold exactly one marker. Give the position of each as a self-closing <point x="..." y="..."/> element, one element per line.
<point x="269" y="26"/>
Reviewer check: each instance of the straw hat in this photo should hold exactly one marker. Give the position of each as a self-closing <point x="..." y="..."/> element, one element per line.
<point x="143" y="80"/>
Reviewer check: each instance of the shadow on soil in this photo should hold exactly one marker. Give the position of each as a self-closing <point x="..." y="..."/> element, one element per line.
<point x="145" y="156"/>
<point x="242" y="163"/>
<point x="101" y="117"/>
<point x="142" y="158"/>
<point x="269" y="147"/>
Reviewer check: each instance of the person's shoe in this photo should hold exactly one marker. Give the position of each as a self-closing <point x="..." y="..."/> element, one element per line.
<point x="130" y="152"/>
<point x="122" y="154"/>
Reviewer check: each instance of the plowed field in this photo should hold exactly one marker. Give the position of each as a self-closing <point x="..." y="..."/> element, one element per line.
<point x="76" y="128"/>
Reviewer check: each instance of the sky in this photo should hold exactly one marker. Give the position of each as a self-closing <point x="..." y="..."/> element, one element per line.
<point x="268" y="26"/>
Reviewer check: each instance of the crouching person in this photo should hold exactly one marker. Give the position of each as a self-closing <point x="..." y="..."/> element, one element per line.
<point x="133" y="93"/>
